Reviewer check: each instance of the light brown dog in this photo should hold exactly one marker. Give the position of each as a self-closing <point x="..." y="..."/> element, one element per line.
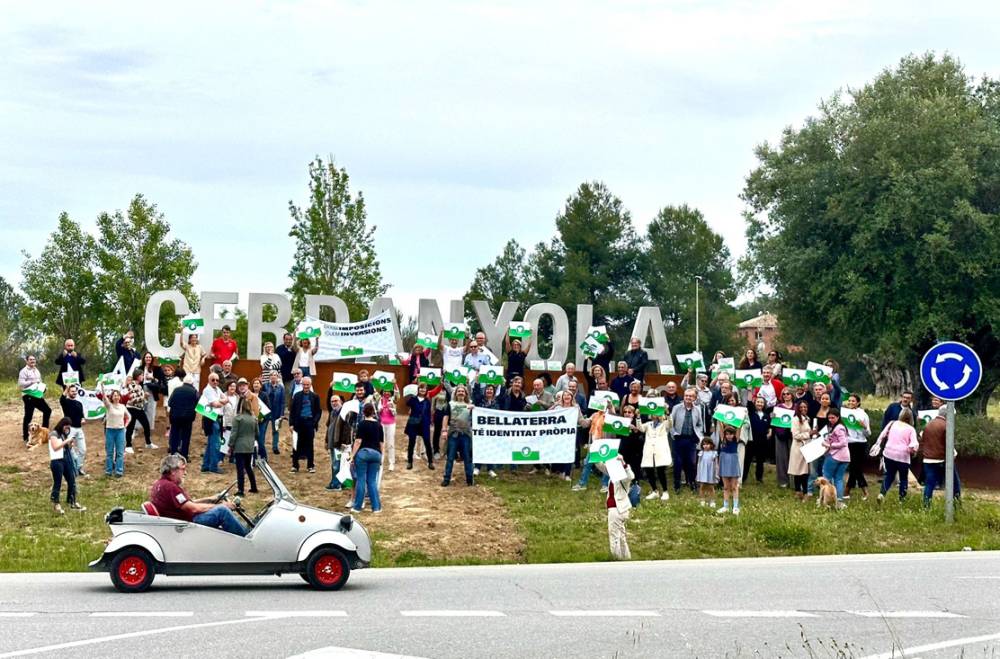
<point x="37" y="435"/>
<point x="827" y="493"/>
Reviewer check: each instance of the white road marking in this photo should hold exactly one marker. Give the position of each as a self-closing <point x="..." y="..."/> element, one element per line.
<point x="17" y="614"/>
<point x="333" y="652"/>
<point x="119" y="637"/>
<point x="981" y="577"/>
<point x="620" y="613"/>
<point x="296" y="614"/>
<point x="142" y="614"/>
<point x="737" y="613"/>
<point x="933" y="647"/>
<point x="437" y="613"/>
<point x="906" y="614"/>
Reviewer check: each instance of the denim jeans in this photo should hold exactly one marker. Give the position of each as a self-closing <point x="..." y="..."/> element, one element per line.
<point x="114" y="448"/>
<point x="892" y="469"/>
<point x="210" y="461"/>
<point x="934" y="476"/>
<point x="833" y="471"/>
<point x="63" y="469"/>
<point x="589" y="468"/>
<point x="366" y="464"/>
<point x="220" y="517"/>
<point x="275" y="424"/>
<point x="262" y="441"/>
<point x="459" y="443"/>
<point x="815" y="471"/>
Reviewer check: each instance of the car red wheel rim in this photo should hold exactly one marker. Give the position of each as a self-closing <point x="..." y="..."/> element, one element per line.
<point x="328" y="570"/>
<point x="132" y="571"/>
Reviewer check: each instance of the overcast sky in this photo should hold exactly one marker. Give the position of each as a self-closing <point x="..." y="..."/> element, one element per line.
<point x="463" y="123"/>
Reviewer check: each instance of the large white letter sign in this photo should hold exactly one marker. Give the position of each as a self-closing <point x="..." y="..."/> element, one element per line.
<point x="495" y="331"/>
<point x="315" y="304"/>
<point x="429" y="315"/>
<point x="584" y="319"/>
<point x="152" y="324"/>
<point x="649" y="323"/>
<point x="385" y="304"/>
<point x="256" y="325"/>
<point x="560" y="330"/>
<point x="209" y="300"/>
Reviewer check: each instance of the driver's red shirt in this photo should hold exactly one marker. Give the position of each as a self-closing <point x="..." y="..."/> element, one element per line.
<point x="168" y="497"/>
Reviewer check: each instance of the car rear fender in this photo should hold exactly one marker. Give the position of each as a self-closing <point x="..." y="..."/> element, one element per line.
<point x="138" y="539"/>
<point x="326" y="537"/>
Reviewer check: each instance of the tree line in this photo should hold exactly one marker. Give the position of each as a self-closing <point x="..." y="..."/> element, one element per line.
<point x="872" y="231"/>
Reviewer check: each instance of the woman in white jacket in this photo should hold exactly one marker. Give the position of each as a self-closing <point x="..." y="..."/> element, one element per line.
<point x="656" y="455"/>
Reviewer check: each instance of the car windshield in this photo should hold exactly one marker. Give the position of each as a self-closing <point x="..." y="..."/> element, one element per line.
<point x="280" y="491"/>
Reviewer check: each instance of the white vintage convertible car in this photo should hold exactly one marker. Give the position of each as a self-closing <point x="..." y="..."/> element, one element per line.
<point x="285" y="537"/>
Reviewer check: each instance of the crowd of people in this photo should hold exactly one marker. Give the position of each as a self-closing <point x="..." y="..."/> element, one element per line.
<point x="681" y="432"/>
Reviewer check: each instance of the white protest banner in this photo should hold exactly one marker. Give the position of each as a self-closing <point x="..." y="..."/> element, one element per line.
<point x="500" y="437"/>
<point x="70" y="376"/>
<point x="93" y="407"/>
<point x="813" y="449"/>
<point x="367" y="338"/>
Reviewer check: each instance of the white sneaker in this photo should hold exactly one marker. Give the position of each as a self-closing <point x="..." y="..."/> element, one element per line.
<point x="604" y="489"/>
<point x="475" y="472"/>
<point x="578" y="488"/>
<point x="665" y="496"/>
<point x="722" y="510"/>
<point x="566" y="477"/>
<point x="652" y="495"/>
<point x="152" y="447"/>
<point x="493" y="474"/>
<point x="130" y="450"/>
<point x="736" y="511"/>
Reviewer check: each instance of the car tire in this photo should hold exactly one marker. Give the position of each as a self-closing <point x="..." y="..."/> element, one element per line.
<point x="132" y="570"/>
<point x="327" y="569"/>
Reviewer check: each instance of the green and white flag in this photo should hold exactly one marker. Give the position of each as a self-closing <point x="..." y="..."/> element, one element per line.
<point x="264" y="410"/>
<point x="727" y="365"/>
<point x="430" y="376"/>
<point x="206" y="411"/>
<point x="70" y="377"/>
<point x="96" y="412"/>
<point x="384" y="380"/>
<point x="344" y="382"/>
<point x="519" y="330"/>
<point x="602" y="450"/>
<point x="410" y="390"/>
<point x="168" y="360"/>
<point x="617" y="425"/>
<point x="599" y="333"/>
<point x="730" y="415"/>
<point x="817" y="372"/>
<point x="395" y="361"/>
<point x="36" y="390"/>
<point x="489" y="374"/>
<point x="193" y="324"/>
<point x="456" y="331"/>
<point x="668" y="370"/>
<point x="525" y="454"/>
<point x="597" y="403"/>
<point x="534" y="405"/>
<point x="309" y="330"/>
<point x="652" y="406"/>
<point x="427" y="341"/>
<point x="854" y="419"/>
<point x="108" y="380"/>
<point x="748" y="379"/>
<point x="925" y="416"/>
<point x="607" y="394"/>
<point x="458" y="375"/>
<point x="537" y="364"/>
<point x="553" y="365"/>
<point x="781" y="418"/>
<point x="591" y="347"/>
<point x="692" y="361"/>
<point x="352" y="351"/>
<point x="344" y="474"/>
<point x="794" y="377"/>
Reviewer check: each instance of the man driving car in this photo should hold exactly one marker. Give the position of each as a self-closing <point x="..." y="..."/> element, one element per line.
<point x="172" y="501"/>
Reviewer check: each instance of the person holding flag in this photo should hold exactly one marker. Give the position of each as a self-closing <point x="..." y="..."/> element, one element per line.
<point x="193" y="359"/>
<point x="770" y="388"/>
<point x="419" y="425"/>
<point x="210" y="407"/>
<point x="72" y="409"/>
<point x="838" y="456"/>
<point x="798" y="468"/>
<point x="115" y="419"/>
<point x="125" y="350"/>
<point x="29" y="380"/>
<point x="781" y="428"/>
<point x="517" y="353"/>
<point x="385" y="410"/>
<point x="458" y="429"/>
<point x="418" y="360"/>
<point x="858" y="431"/>
<point x="760" y="438"/>
<point x="69" y="359"/>
<point x="656" y="456"/>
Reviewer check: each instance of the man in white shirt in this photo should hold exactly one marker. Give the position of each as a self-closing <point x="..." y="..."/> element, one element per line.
<point x="452" y="353"/>
<point x="212" y="396"/>
<point x="484" y="350"/>
<point x="568" y="376"/>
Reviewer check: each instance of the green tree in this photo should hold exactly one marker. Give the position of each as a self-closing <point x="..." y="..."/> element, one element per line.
<point x="12" y="329"/>
<point x="877" y="224"/>
<point x="61" y="286"/>
<point x="681" y="247"/>
<point x="137" y="257"/>
<point x="504" y="279"/>
<point x="593" y="259"/>
<point x="334" y="247"/>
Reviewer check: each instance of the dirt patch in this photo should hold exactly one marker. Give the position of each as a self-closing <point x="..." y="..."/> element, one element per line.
<point x="420" y="518"/>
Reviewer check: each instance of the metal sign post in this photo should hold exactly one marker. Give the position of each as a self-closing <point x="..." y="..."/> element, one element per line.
<point x="949" y="466"/>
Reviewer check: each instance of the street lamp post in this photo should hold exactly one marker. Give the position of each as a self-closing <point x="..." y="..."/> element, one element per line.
<point x="697" y="326"/>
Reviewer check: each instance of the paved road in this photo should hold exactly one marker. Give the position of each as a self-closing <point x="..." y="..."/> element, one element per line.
<point x="935" y="605"/>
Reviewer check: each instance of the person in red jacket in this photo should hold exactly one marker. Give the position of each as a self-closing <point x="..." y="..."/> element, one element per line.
<point x="770" y="390"/>
<point x="224" y="348"/>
